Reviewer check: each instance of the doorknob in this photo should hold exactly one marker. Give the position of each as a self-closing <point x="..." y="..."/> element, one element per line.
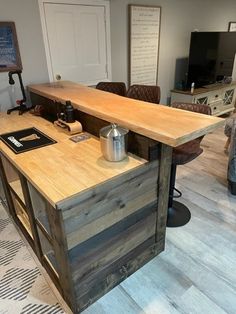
<point x="58" y="77"/>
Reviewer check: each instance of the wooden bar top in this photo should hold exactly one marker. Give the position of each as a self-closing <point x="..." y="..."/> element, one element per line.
<point x="64" y="169"/>
<point x="167" y="125"/>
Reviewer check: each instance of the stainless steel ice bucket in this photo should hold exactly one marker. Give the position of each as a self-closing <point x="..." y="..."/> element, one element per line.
<point x="114" y="142"/>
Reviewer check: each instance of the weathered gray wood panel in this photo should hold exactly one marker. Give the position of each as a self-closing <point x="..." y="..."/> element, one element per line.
<point x="108" y="203"/>
<point x="104" y="281"/>
<point x="105" y="224"/>
<point x="110" y="245"/>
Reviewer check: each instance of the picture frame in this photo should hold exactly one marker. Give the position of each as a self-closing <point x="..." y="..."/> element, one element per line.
<point x="232" y="27"/>
<point x="10" y="59"/>
<point x="144" y="42"/>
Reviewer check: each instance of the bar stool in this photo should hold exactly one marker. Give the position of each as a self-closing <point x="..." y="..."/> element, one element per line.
<point x="178" y="213"/>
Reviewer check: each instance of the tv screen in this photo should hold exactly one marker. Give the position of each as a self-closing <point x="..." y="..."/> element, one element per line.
<point x="211" y="57"/>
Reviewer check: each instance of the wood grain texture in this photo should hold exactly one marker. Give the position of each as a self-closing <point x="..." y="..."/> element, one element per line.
<point x="108" y="203"/>
<point x="117" y="272"/>
<point x="61" y="254"/>
<point x="139" y="145"/>
<point x="167" y="125"/>
<point x="165" y="159"/>
<point x="66" y="168"/>
<point x="111" y="244"/>
<point x="118" y="302"/>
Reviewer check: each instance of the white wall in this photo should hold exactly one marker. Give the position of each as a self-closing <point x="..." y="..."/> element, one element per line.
<point x="178" y="19"/>
<point x="25" y="14"/>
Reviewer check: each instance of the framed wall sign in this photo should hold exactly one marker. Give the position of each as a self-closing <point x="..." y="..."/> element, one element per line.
<point x="144" y="34"/>
<point x="232" y="27"/>
<point x="9" y="51"/>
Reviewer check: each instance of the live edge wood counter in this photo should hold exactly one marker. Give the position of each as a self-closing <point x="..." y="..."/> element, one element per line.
<point x="161" y="123"/>
<point x="94" y="223"/>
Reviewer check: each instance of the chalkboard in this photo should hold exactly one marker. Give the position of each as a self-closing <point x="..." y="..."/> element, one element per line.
<point x="144" y="44"/>
<point x="9" y="51"/>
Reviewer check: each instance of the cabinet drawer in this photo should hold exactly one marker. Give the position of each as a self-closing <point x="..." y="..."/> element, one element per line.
<point x="215" y="96"/>
<point x="216" y="107"/>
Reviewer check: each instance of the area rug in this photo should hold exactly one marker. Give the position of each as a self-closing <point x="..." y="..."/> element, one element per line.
<point x="23" y="288"/>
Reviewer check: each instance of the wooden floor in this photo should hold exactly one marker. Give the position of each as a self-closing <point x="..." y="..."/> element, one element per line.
<point x="197" y="271"/>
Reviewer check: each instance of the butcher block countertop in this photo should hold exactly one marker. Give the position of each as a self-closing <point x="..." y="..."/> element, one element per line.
<point x="64" y="169"/>
<point x="167" y="125"/>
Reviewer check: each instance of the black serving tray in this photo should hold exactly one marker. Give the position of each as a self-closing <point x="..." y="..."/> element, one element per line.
<point x="15" y="140"/>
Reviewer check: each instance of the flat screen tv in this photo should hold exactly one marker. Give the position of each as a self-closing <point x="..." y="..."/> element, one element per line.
<point x="211" y="57"/>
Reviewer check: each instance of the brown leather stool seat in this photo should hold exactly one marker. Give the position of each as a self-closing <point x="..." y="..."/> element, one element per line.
<point x="185" y="153"/>
<point x="178" y="213"/>
<point x="118" y="88"/>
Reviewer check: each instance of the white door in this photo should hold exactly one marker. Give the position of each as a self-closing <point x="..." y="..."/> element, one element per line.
<point x="77" y="42"/>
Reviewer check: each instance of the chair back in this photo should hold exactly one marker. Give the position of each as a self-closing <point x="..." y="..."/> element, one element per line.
<point x="204" y="109"/>
<point x="118" y="88"/>
<point x="147" y="93"/>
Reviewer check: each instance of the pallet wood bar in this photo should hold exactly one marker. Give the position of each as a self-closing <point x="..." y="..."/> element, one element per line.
<point x="92" y="222"/>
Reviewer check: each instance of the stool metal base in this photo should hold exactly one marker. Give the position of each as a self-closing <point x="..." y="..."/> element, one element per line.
<point x="178" y="215"/>
<point x="232" y="187"/>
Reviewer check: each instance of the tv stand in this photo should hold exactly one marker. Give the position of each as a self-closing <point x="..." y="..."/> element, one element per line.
<point x="215" y="85"/>
<point x="220" y="97"/>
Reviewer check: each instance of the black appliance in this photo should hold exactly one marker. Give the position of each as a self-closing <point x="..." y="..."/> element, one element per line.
<point x="69" y="112"/>
<point x="211" y="57"/>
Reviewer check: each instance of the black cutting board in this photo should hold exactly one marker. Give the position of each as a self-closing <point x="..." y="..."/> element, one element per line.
<point x="18" y="142"/>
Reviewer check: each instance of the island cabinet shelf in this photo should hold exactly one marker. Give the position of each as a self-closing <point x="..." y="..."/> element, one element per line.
<point x="43" y="230"/>
<point x="16" y="188"/>
<point x="22" y="215"/>
<point x="93" y="222"/>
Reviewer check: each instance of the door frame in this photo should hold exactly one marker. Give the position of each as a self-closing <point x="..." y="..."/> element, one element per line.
<point x="104" y="3"/>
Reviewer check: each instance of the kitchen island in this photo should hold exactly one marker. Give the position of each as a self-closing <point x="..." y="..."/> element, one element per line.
<point x="91" y="222"/>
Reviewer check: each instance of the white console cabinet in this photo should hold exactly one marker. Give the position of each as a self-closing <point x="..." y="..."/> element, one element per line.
<point x="220" y="97"/>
